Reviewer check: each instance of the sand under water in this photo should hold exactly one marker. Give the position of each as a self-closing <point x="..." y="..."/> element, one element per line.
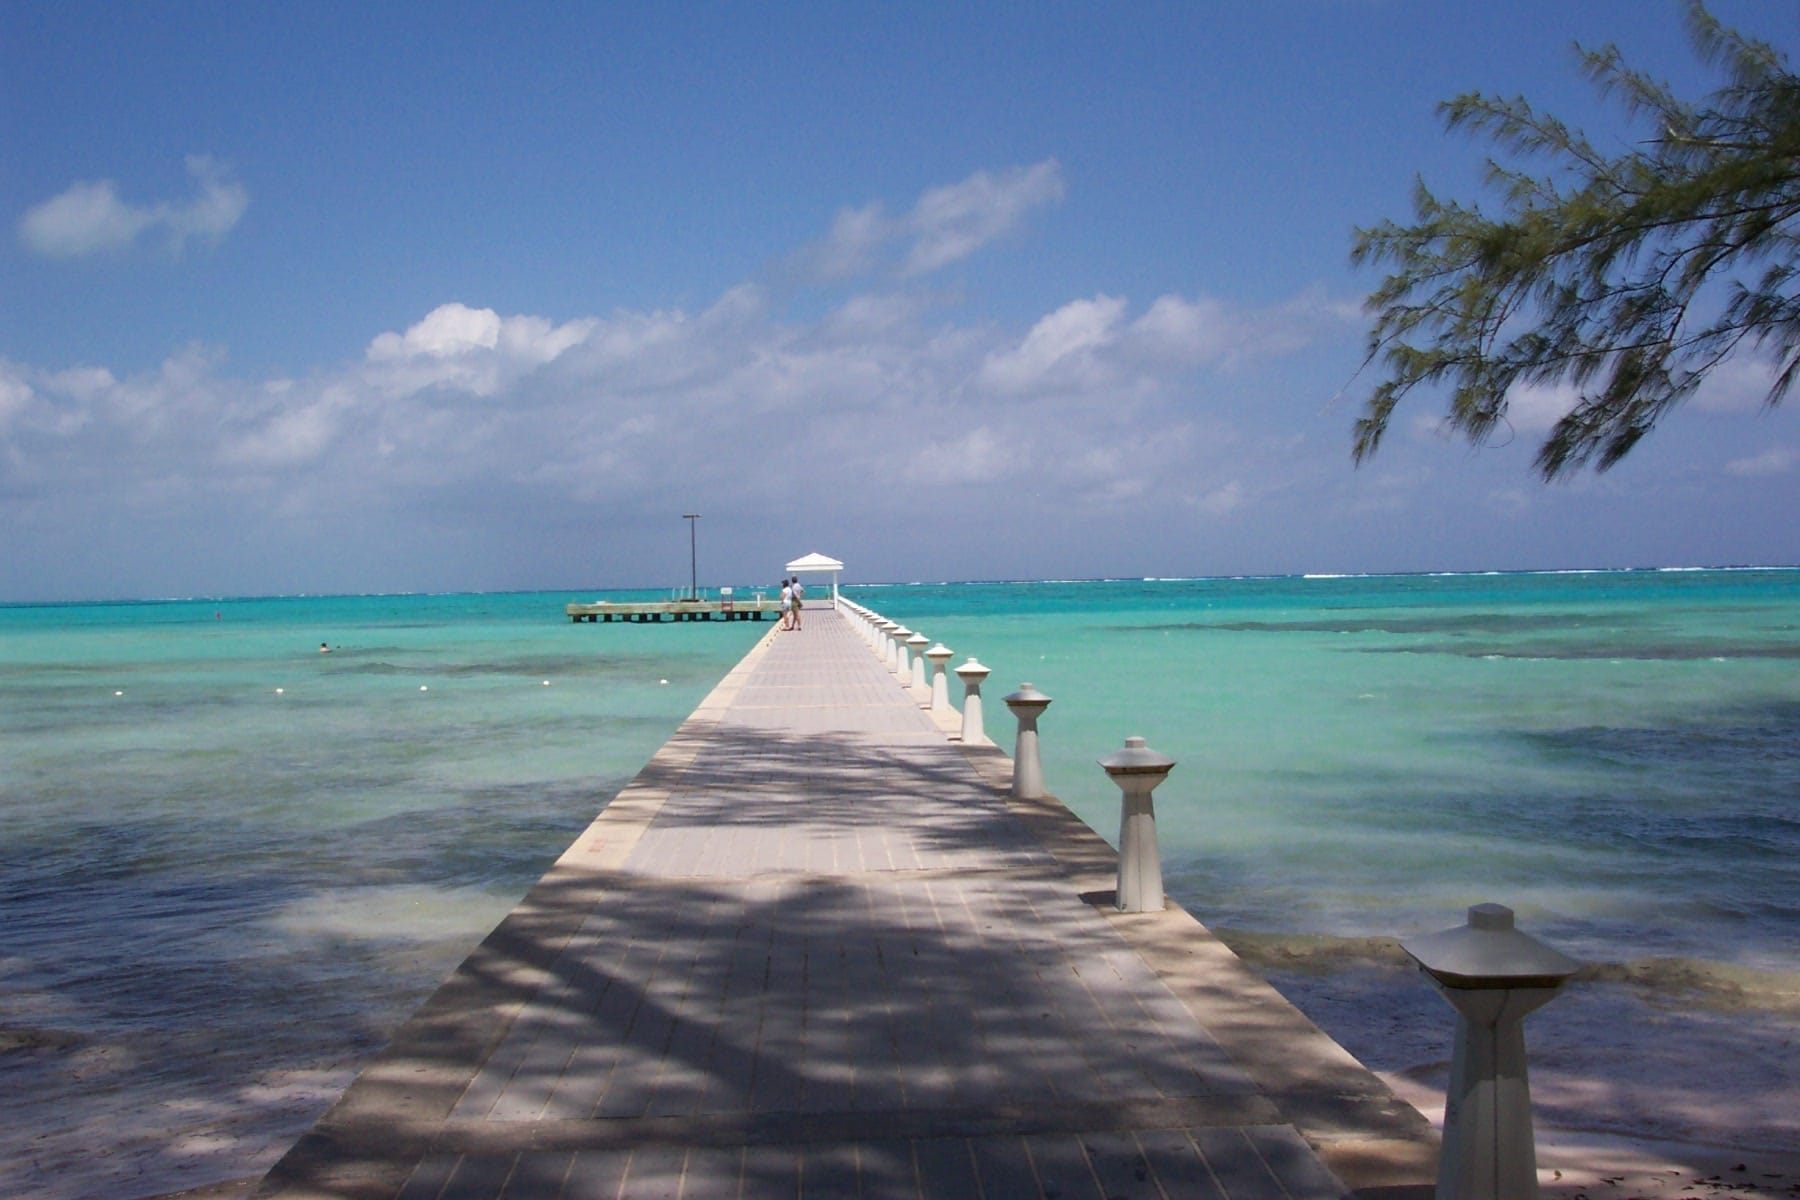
<point x="230" y="866"/>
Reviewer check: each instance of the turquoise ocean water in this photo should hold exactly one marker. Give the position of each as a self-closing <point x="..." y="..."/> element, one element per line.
<point x="230" y="864"/>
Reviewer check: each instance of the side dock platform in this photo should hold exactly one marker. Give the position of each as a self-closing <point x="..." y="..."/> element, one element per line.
<point x="642" y="611"/>
<point x="816" y="950"/>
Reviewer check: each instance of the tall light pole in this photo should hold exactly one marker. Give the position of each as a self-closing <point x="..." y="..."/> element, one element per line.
<point x="693" y="561"/>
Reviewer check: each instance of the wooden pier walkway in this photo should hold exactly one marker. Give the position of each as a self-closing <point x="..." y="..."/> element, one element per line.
<point x="814" y="950"/>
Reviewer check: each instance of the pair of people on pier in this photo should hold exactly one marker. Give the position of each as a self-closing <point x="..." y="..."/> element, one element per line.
<point x="792" y="593"/>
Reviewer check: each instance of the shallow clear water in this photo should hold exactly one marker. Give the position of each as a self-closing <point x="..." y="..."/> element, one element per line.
<point x="226" y="855"/>
<point x="1616" y="756"/>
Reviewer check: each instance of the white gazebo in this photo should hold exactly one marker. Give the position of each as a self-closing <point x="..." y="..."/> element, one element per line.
<point x="815" y="564"/>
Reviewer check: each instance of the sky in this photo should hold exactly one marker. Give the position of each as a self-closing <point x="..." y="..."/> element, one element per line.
<point x="346" y="298"/>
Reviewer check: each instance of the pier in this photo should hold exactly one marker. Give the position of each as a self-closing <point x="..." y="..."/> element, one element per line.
<point x="642" y="611"/>
<point x="816" y="949"/>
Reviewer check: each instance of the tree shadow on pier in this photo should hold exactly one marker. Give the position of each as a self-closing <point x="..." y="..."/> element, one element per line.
<point x="868" y="947"/>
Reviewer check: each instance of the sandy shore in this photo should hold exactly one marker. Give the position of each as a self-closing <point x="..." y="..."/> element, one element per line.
<point x="1577" y="1165"/>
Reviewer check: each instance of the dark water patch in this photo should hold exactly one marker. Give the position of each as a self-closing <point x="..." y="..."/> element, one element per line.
<point x="23" y="1039"/>
<point x="137" y="931"/>
<point x="1601" y="651"/>
<point x="552" y="667"/>
<point x="1680" y="839"/>
<point x="1768" y="736"/>
<point x="523" y="827"/>
<point x="1396" y="624"/>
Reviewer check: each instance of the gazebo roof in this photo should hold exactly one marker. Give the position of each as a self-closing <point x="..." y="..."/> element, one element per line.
<point x="815" y="562"/>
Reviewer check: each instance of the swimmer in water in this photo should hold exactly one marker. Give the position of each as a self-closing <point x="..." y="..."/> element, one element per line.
<point x="324" y="649"/>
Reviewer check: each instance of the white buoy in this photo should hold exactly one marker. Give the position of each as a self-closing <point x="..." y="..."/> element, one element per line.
<point x="118" y="693"/>
<point x="664" y="682"/>
<point x="423" y="688"/>
<point x="279" y="691"/>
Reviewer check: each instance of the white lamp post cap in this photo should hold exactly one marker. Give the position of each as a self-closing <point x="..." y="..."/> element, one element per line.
<point x="1027" y="697"/>
<point x="1488" y="952"/>
<point x="1137" y="758"/>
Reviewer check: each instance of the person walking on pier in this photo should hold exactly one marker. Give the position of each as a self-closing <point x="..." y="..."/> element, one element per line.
<point x="787" y="604"/>
<point x="799" y="596"/>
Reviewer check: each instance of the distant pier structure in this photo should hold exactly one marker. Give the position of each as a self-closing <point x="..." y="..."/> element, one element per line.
<point x="725" y="608"/>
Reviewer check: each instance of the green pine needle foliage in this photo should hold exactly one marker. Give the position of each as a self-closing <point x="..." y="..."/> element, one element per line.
<point x="1629" y="277"/>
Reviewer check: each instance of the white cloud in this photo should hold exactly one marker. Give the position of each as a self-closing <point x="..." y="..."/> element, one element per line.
<point x="473" y="350"/>
<point x="447" y="331"/>
<point x="214" y="211"/>
<point x="1185" y="330"/>
<point x="975" y="456"/>
<point x="81" y="382"/>
<point x="855" y="240"/>
<point x="1536" y="408"/>
<point x="867" y="317"/>
<point x="946" y="225"/>
<point x="290" y="436"/>
<point x="90" y="218"/>
<point x="1773" y="461"/>
<point x="15" y="394"/>
<point x="86" y="219"/>
<point x="1090" y="342"/>
<point x="1061" y="350"/>
<point x="1207" y="331"/>
<point x="951" y="223"/>
<point x="494" y="423"/>
<point x="1223" y="499"/>
<point x="1739" y="384"/>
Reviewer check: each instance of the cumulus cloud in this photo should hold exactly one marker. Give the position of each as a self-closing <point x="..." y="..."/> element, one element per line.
<point x="447" y="331"/>
<point x="1063" y="349"/>
<point x="473" y="350"/>
<point x="1207" y="331"/>
<point x="91" y="218"/>
<point x="946" y="225"/>
<point x="484" y="423"/>
<point x="875" y="398"/>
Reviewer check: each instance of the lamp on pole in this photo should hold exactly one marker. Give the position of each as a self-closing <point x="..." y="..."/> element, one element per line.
<point x="693" y="561"/>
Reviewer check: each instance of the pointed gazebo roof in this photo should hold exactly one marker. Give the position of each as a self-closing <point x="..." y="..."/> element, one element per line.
<point x="816" y="563"/>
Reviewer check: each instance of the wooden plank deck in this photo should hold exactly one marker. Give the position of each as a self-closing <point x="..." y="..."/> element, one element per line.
<point x="814" y="950"/>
